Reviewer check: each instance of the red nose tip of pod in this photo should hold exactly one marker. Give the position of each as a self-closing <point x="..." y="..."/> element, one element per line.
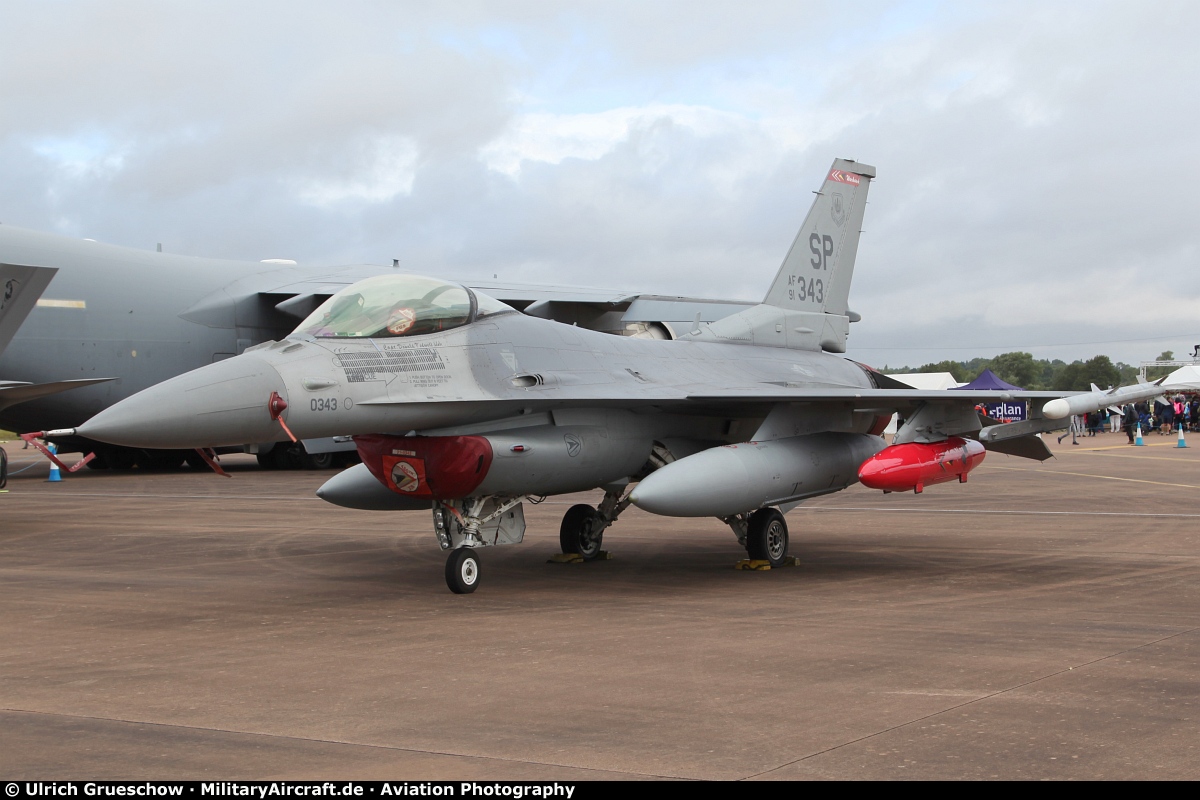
<point x="438" y="467"/>
<point x="915" y="465"/>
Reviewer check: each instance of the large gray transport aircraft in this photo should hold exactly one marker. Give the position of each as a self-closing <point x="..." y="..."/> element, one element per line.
<point x="460" y="404"/>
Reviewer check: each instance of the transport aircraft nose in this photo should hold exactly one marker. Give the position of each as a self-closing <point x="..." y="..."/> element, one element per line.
<point x="225" y="403"/>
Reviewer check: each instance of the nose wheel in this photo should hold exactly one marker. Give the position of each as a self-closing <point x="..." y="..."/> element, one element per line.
<point x="767" y="537"/>
<point x="462" y="570"/>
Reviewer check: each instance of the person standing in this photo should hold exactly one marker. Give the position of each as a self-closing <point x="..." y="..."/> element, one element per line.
<point x="1167" y="419"/>
<point x="1074" y="431"/>
<point x="1129" y="420"/>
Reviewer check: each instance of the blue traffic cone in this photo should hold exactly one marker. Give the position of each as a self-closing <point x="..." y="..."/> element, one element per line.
<point x="1137" y="440"/>
<point x="1182" y="442"/>
<point x="55" y="474"/>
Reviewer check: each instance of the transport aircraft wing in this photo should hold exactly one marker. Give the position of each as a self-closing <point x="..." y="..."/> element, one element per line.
<point x="279" y="298"/>
<point x="13" y="392"/>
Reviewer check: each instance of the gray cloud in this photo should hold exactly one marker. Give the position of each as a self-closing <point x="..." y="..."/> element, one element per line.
<point x="1035" y="161"/>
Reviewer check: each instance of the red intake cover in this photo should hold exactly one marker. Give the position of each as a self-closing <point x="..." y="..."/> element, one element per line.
<point x="914" y="466"/>
<point x="439" y="467"/>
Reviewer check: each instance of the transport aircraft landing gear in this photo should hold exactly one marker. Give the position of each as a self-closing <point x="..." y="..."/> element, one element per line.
<point x="582" y="529"/>
<point x="767" y="537"/>
<point x="462" y="570"/>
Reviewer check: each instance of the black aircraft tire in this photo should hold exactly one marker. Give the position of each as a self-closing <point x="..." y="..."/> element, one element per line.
<point x="462" y="571"/>
<point x="767" y="538"/>
<point x="161" y="460"/>
<point x="290" y="456"/>
<point x="575" y="534"/>
<point x="121" y="458"/>
<point x="346" y="459"/>
<point x="194" y="460"/>
<point x="318" y="460"/>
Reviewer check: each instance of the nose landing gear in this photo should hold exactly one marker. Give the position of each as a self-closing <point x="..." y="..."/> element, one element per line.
<point x="463" y="526"/>
<point x="462" y="570"/>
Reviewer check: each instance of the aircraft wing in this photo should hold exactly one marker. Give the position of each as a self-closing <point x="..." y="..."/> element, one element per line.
<point x="594" y="308"/>
<point x="867" y="398"/>
<point x="737" y="402"/>
<point x="280" y="297"/>
<point x="13" y="392"/>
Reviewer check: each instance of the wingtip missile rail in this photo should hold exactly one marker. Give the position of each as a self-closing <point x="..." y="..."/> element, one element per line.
<point x="1087" y="402"/>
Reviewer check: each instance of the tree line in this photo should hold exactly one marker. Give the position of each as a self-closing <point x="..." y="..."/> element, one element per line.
<point x="1038" y="374"/>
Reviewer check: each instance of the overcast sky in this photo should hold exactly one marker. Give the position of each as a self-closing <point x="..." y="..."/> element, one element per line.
<point x="1037" y="161"/>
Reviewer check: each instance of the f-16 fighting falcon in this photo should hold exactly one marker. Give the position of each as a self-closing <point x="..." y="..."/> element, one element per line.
<point x="461" y="405"/>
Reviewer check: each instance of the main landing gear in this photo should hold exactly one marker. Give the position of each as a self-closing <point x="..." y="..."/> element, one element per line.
<point x="582" y="529"/>
<point x="463" y="527"/>
<point x="763" y="533"/>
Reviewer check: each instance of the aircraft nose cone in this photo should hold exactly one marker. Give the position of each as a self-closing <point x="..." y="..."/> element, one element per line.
<point x="221" y="404"/>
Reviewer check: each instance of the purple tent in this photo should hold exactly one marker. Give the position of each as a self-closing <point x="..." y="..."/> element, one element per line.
<point x="1013" y="410"/>
<point x="988" y="380"/>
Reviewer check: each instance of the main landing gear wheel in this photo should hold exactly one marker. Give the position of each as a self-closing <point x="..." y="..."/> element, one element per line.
<point x="462" y="570"/>
<point x="767" y="537"/>
<point x="582" y="532"/>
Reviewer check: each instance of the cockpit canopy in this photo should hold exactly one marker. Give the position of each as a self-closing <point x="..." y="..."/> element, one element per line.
<point x="397" y="305"/>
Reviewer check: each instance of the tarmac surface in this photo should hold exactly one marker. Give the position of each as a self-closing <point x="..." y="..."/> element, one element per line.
<point x="1041" y="621"/>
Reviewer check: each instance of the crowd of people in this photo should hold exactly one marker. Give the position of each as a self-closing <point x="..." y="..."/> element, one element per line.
<point x="1180" y="413"/>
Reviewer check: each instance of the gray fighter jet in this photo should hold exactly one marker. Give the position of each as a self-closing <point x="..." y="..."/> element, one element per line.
<point x="459" y="404"/>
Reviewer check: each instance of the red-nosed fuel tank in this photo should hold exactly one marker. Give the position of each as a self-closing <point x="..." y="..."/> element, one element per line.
<point x="915" y="465"/>
<point x="736" y="478"/>
<point x="547" y="459"/>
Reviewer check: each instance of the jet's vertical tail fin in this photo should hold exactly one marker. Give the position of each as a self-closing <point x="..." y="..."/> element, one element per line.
<point x="807" y="307"/>
<point x="816" y="273"/>
<point x="20" y="288"/>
